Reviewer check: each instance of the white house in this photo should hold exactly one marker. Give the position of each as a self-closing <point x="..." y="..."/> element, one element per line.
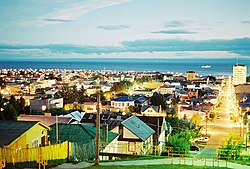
<point x="167" y="89"/>
<point x="135" y="137"/>
<point x="123" y="102"/>
<point x="90" y="107"/>
<point x="151" y="110"/>
<point x="42" y="104"/>
<point x="161" y="128"/>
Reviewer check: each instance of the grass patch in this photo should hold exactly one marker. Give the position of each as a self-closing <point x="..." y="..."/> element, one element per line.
<point x="162" y="166"/>
<point x="137" y="158"/>
<point x="242" y="162"/>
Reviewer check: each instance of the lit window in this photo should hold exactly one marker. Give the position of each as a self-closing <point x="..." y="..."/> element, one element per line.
<point x="131" y="146"/>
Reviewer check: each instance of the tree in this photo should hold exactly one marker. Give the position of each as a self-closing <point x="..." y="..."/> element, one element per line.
<point x="248" y="79"/>
<point x="94" y="83"/>
<point x="180" y="142"/>
<point x="157" y="100"/>
<point x="70" y="94"/>
<point x="10" y="112"/>
<point x="131" y="109"/>
<point x="175" y="100"/>
<point x="13" y="100"/>
<point x="21" y="103"/>
<point x="122" y="86"/>
<point x="245" y="117"/>
<point x="231" y="146"/>
<point x="2" y="83"/>
<point x="196" y="118"/>
<point x="174" y="122"/>
<point x="1" y="102"/>
<point x="40" y="91"/>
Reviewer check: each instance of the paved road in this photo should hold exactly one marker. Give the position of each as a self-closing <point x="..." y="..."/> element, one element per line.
<point x="220" y="128"/>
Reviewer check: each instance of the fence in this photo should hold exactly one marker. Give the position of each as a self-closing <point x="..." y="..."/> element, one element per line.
<point x="83" y="152"/>
<point x="51" y="152"/>
<point x="199" y="161"/>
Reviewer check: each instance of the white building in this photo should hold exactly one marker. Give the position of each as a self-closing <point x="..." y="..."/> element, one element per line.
<point x="122" y="102"/>
<point x="239" y="74"/>
<point x="40" y="104"/>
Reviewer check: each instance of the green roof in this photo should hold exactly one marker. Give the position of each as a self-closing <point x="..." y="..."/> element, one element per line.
<point x="76" y="133"/>
<point x="138" y="127"/>
<point x="11" y="130"/>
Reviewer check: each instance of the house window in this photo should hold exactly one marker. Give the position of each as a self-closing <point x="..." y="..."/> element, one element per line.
<point x="128" y="104"/>
<point x="34" y="143"/>
<point x="122" y="104"/>
<point x="131" y="146"/>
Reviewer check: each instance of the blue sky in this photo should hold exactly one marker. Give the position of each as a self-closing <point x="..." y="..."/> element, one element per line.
<point x="32" y="29"/>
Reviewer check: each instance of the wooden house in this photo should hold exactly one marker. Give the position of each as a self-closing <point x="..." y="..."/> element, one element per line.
<point x="135" y="137"/>
<point x="23" y="134"/>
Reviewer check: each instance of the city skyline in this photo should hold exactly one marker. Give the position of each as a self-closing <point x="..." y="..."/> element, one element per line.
<point x="124" y="28"/>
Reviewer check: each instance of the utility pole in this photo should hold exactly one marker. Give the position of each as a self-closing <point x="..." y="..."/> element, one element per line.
<point x="57" y="140"/>
<point x="97" y="130"/>
<point x="206" y="125"/>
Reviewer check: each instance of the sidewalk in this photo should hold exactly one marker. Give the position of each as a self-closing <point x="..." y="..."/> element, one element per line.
<point x="74" y="166"/>
<point x="183" y="161"/>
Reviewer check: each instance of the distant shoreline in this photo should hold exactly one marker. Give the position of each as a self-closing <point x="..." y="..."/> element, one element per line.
<point x="218" y="66"/>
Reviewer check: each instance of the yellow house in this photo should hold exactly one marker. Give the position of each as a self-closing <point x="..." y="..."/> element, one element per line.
<point x="23" y="134"/>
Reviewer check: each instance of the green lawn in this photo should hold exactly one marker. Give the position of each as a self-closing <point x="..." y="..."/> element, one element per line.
<point x="163" y="166"/>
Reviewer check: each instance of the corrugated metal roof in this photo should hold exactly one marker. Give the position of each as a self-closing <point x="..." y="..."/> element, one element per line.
<point x="124" y="99"/>
<point x="153" y="121"/>
<point x="11" y="130"/>
<point x="138" y="127"/>
<point x="156" y="108"/>
<point x="48" y="120"/>
<point x="76" y="133"/>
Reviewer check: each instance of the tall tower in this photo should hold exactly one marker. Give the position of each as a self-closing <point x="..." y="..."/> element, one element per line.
<point x="239" y="74"/>
<point x="190" y="75"/>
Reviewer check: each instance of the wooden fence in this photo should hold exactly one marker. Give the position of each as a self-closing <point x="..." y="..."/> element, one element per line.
<point x="51" y="152"/>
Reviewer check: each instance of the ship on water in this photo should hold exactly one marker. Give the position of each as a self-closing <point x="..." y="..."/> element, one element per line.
<point x="206" y="66"/>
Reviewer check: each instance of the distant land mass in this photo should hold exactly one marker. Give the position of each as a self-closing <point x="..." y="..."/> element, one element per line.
<point x="201" y="66"/>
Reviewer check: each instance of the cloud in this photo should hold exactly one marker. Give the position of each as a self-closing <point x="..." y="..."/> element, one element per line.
<point x="57" y="20"/>
<point x="246" y="22"/>
<point x="72" y="12"/>
<point x="180" y="31"/>
<point x="239" y="46"/>
<point x="174" y="24"/>
<point x="113" y="27"/>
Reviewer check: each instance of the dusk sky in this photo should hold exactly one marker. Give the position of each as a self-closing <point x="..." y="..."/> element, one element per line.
<point x="33" y="29"/>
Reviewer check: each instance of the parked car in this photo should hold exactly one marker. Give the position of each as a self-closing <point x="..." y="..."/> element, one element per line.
<point x="194" y="148"/>
<point x="201" y="139"/>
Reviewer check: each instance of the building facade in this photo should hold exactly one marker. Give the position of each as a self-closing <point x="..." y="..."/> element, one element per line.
<point x="239" y="74"/>
<point x="190" y="75"/>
